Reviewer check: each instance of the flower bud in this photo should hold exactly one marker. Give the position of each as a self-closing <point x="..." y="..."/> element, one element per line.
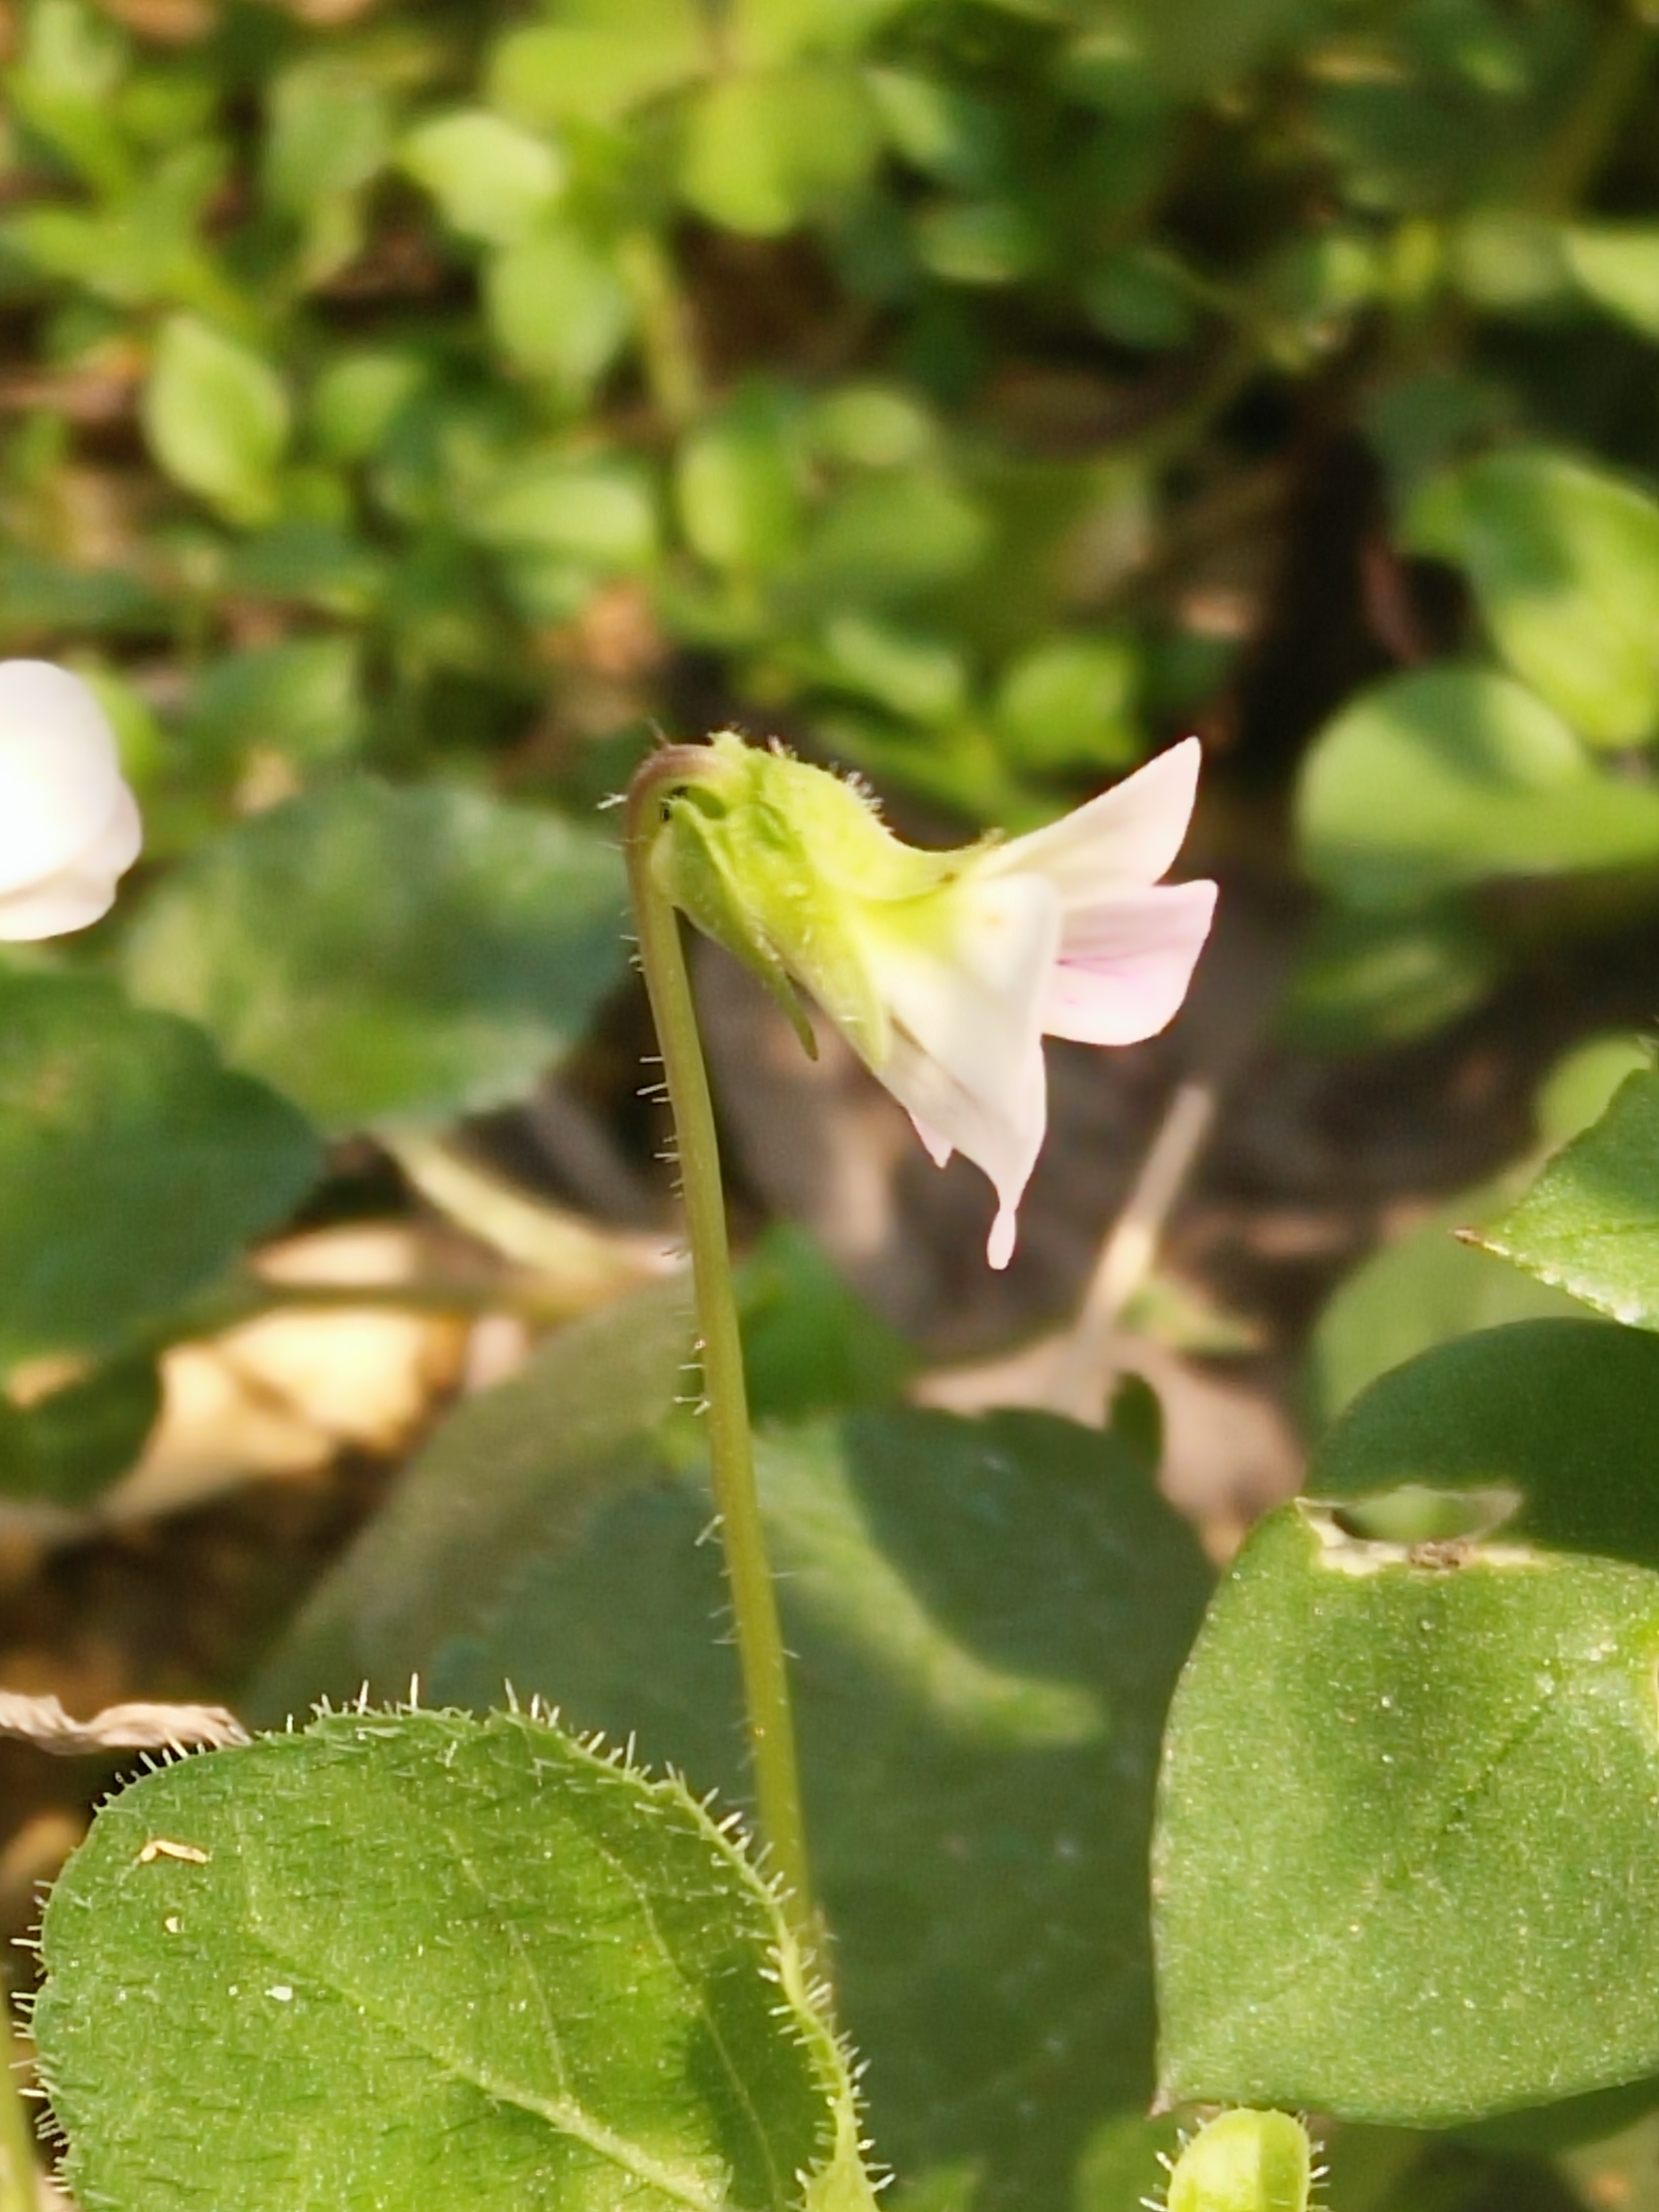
<point x="68" y="825"/>
<point x="1245" y="2161"/>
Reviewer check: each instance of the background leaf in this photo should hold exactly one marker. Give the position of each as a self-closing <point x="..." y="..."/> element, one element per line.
<point x="133" y="1166"/>
<point x="1565" y="560"/>
<point x="389" y="957"/>
<point x="1447" y="777"/>
<point x="216" y="416"/>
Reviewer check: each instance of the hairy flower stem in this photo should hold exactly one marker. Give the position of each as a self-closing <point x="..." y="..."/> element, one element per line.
<point x="748" y="1574"/>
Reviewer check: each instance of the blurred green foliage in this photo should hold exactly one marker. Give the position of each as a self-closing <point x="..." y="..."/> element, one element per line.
<point x="454" y="389"/>
<point x="460" y="390"/>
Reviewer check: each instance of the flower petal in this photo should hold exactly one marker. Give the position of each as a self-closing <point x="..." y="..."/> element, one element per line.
<point x="74" y="896"/>
<point x="938" y="1149"/>
<point x="964" y="1056"/>
<point x="58" y="772"/>
<point x="1125" y="963"/>
<point x="1128" y="836"/>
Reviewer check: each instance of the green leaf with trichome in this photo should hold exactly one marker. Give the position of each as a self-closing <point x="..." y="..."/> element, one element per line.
<point x="409" y="1958"/>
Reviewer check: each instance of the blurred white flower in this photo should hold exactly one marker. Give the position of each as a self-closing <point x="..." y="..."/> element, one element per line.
<point x="68" y="825"/>
<point x="945" y="971"/>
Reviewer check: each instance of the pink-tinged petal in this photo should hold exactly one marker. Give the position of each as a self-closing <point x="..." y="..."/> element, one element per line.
<point x="58" y="772"/>
<point x="938" y="1149"/>
<point x="964" y="1001"/>
<point x="1125" y="963"/>
<point x="1127" y="837"/>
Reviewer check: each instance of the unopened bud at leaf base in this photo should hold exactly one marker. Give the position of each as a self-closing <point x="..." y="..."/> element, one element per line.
<point x="68" y="825"/>
<point x="1245" y="2161"/>
<point x="945" y="971"/>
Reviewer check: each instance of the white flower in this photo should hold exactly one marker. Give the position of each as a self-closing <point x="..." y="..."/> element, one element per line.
<point x="68" y="825"/>
<point x="946" y="970"/>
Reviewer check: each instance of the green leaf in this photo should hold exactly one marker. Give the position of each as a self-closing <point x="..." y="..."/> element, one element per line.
<point x="556" y="306"/>
<point x="602" y="58"/>
<point x="1565" y="560"/>
<point x="765" y="32"/>
<point x="510" y="1470"/>
<point x="390" y="958"/>
<point x="1533" y="1428"/>
<point x="73" y="1441"/>
<point x="1363" y="979"/>
<point x="301" y="698"/>
<point x="465" y="1962"/>
<point x="1426" y="1288"/>
<point x="811" y="1345"/>
<point x="360" y="396"/>
<point x="941" y="129"/>
<point x="987" y="1618"/>
<point x="764" y="153"/>
<point x="1141" y="296"/>
<point x="1589" y="1226"/>
<point x="738" y="484"/>
<point x="1070" y="703"/>
<point x="1432" y="1284"/>
<point x="991" y="241"/>
<point x="329" y="133"/>
<point x="888" y="536"/>
<point x="1406" y="1809"/>
<point x="1617" y="265"/>
<point x="133" y="1167"/>
<point x="921" y="678"/>
<point x="491" y="180"/>
<point x="1447" y="777"/>
<point x="598" y="514"/>
<point x="216" y="417"/>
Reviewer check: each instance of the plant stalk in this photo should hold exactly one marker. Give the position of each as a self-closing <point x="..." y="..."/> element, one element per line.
<point x="769" y="1720"/>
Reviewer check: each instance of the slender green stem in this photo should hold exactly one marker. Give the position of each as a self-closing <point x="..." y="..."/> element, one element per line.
<point x="667" y="349"/>
<point x="748" y="1574"/>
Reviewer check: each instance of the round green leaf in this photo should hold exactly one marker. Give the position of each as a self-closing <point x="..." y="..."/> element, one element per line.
<point x="1406" y="1867"/>
<point x="465" y="1962"/>
<point x="1618" y="265"/>
<point x="1448" y="776"/>
<point x="133" y="1167"/>
<point x="557" y="306"/>
<point x="1565" y="560"/>
<point x="1070" y="703"/>
<point x="327" y="133"/>
<point x="1377" y="979"/>
<point x="738" y="483"/>
<point x="763" y="153"/>
<point x="389" y="957"/>
<point x="492" y="180"/>
<point x="601" y="58"/>
<point x="217" y="416"/>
